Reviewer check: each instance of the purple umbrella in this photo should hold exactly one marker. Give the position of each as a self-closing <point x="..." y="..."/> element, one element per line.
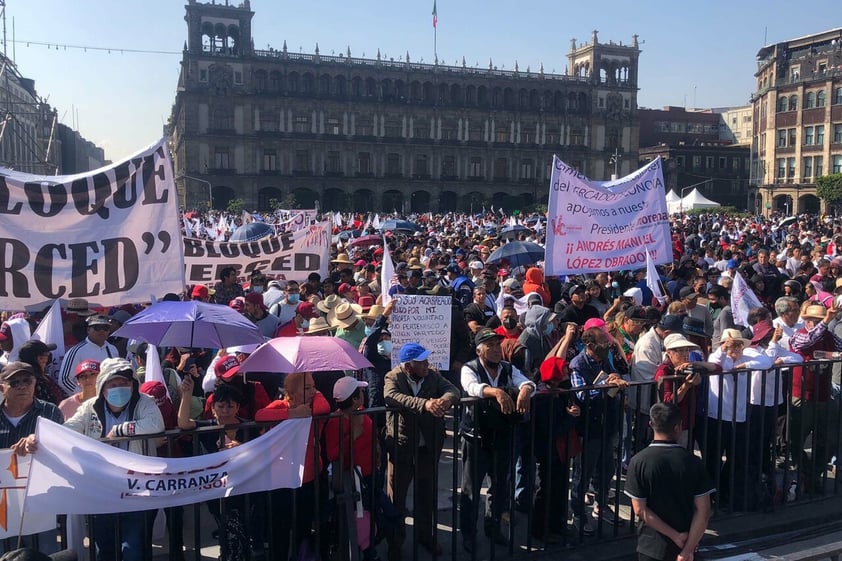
<point x="304" y="354"/>
<point x="190" y="324"/>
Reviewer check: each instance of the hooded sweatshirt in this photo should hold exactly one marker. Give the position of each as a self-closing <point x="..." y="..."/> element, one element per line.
<point x="20" y="335"/>
<point x="534" y="282"/>
<point x="534" y="338"/>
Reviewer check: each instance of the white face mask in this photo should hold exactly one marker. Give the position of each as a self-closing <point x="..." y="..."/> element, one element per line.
<point x="384" y="348"/>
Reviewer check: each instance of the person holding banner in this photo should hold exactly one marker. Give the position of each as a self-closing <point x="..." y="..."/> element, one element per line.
<point x="120" y="410"/>
<point x="18" y="404"/>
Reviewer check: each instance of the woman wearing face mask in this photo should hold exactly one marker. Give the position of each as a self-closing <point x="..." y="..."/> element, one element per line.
<point x="540" y="322"/>
<point x="377" y="348"/>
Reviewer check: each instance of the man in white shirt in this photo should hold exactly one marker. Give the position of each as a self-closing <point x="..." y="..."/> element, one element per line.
<point x="788" y="318"/>
<point x="94" y="347"/>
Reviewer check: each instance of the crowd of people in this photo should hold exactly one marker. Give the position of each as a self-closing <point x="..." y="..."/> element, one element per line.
<point x="576" y="362"/>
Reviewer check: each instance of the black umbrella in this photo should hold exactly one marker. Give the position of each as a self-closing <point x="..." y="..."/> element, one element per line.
<point x="251" y="232"/>
<point x="517" y="254"/>
<point x="400" y="225"/>
<point x="510" y="232"/>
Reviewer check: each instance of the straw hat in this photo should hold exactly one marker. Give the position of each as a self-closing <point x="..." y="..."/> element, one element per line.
<point x="80" y="307"/>
<point x="342" y="258"/>
<point x="415" y="263"/>
<point x="318" y="326"/>
<point x="814" y="311"/>
<point x="735" y="335"/>
<point x="374" y="312"/>
<point x="329" y="303"/>
<point x="344" y="315"/>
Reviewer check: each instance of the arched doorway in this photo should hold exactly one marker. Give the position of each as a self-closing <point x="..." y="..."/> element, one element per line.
<point x="810" y="204"/>
<point x="473" y="202"/>
<point x="501" y="200"/>
<point x="304" y="198"/>
<point x="363" y="201"/>
<point x="266" y="196"/>
<point x="447" y="201"/>
<point x="335" y="199"/>
<point x="392" y="201"/>
<point x="419" y="201"/>
<point x="222" y="196"/>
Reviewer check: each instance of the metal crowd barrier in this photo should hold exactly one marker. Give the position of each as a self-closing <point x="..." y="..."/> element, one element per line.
<point x="784" y="451"/>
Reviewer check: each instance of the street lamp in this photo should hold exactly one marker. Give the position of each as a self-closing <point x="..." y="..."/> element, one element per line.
<point x="208" y="183"/>
<point x="615" y="160"/>
<point x="684" y="190"/>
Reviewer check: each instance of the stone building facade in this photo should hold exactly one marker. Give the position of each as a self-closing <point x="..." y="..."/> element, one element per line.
<point x="797" y="120"/>
<point x="344" y="133"/>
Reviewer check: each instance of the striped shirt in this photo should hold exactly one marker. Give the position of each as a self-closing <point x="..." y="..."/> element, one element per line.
<point x="86" y="350"/>
<point x="10" y="434"/>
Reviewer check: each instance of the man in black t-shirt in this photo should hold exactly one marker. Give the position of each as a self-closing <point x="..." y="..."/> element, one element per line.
<point x="670" y="492"/>
<point x="477" y="313"/>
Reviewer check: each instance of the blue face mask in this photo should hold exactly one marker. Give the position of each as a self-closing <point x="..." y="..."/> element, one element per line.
<point x="548" y="329"/>
<point x="305" y="324"/>
<point x="384" y="348"/>
<point x="118" y="397"/>
<point x="257" y="289"/>
<point x="293" y="298"/>
<point x="369" y="330"/>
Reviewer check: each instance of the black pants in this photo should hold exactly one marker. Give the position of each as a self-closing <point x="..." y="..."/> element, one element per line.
<point x="732" y="440"/>
<point x="480" y="458"/>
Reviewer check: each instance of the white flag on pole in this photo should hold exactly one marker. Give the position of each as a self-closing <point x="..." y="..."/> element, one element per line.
<point x="188" y="231"/>
<point x="743" y="299"/>
<point x="387" y="275"/>
<point x="154" y="372"/>
<point x="652" y="278"/>
<point x="51" y="331"/>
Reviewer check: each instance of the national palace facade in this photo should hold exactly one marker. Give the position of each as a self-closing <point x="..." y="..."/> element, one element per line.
<point x="346" y="133"/>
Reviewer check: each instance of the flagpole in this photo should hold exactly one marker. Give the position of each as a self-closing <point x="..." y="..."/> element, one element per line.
<point x="435" y="33"/>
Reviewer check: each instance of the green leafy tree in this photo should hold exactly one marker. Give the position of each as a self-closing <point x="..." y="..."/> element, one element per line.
<point x="829" y="188"/>
<point x="236" y="206"/>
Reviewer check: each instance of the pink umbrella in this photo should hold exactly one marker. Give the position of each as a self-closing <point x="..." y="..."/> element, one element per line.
<point x="304" y="354"/>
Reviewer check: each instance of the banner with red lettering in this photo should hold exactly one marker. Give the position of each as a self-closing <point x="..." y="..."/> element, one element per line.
<point x="111" y="236"/>
<point x="595" y="226"/>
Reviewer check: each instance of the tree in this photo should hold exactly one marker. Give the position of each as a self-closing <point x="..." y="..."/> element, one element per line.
<point x="236" y="206"/>
<point x="829" y="188"/>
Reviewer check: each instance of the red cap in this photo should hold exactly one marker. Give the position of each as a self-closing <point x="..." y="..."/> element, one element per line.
<point x="5" y="331"/>
<point x="227" y="367"/>
<point x="237" y="303"/>
<point x="307" y="310"/>
<point x="553" y="369"/>
<point x="87" y="366"/>
<point x="344" y="287"/>
<point x="200" y="291"/>
<point x="256" y="299"/>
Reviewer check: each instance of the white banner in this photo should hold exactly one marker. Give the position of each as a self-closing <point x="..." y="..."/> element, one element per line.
<point x="424" y="320"/>
<point x="111" y="236"/>
<point x="14" y="472"/>
<point x="74" y="474"/>
<point x="596" y="226"/>
<point x="291" y="255"/>
<point x="294" y="220"/>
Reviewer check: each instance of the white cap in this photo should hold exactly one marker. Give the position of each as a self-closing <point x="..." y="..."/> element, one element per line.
<point x="346" y="386"/>
<point x="635" y="294"/>
<point x="477" y="265"/>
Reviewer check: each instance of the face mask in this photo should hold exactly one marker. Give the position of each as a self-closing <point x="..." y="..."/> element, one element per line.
<point x="548" y="329"/>
<point x="305" y="324"/>
<point x="384" y="348"/>
<point x="510" y="323"/>
<point x="369" y="330"/>
<point x="118" y="397"/>
<point x="257" y="289"/>
<point x="293" y="298"/>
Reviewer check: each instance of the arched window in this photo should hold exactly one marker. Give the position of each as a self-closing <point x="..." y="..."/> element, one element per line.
<point x="783" y="104"/>
<point x="820" y="98"/>
<point x="793" y="102"/>
<point x="810" y="100"/>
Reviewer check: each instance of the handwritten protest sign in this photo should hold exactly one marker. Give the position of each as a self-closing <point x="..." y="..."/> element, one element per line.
<point x="111" y="235"/>
<point x="595" y="226"/>
<point x="424" y="320"/>
<point x="291" y="255"/>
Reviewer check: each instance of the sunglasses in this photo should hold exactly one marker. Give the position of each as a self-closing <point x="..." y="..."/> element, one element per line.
<point x="24" y="381"/>
<point x="100" y="327"/>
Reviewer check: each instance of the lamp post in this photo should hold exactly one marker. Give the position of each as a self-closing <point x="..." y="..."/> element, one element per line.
<point x="615" y="160"/>
<point x="208" y="183"/>
<point x="684" y="190"/>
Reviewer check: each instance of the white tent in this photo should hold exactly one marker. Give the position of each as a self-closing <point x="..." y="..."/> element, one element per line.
<point x="694" y="199"/>
<point x="672" y="197"/>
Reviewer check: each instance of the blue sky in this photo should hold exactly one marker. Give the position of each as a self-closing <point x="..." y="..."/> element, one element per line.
<point x="704" y="50"/>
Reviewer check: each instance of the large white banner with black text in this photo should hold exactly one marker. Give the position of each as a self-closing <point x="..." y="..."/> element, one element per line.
<point x="595" y="226"/>
<point x="290" y="255"/>
<point x="74" y="474"/>
<point x="111" y="235"/>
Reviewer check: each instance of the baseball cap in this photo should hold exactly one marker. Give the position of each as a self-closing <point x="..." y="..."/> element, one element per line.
<point x="687" y="292"/>
<point x="484" y="335"/>
<point x="672" y="322"/>
<point x="552" y="369"/>
<point x="511" y="284"/>
<point x="413" y="352"/>
<point x="575" y="288"/>
<point x="453" y="268"/>
<point x="307" y="310"/>
<point x="87" y="366"/>
<point x="346" y="386"/>
<point x="255" y="299"/>
<point x="476" y="265"/>
<point x="5" y="331"/>
<point x="98" y="320"/>
<point x="636" y="312"/>
<point x="199" y="291"/>
<point x="15" y="367"/>
<point x="227" y="367"/>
